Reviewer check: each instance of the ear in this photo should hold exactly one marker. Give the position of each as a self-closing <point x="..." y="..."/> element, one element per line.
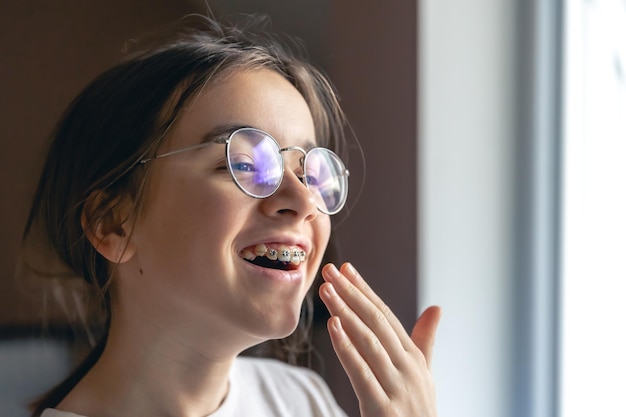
<point x="106" y="223"/>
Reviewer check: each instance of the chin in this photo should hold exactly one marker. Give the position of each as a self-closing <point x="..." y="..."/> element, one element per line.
<point x="289" y="331"/>
<point x="286" y="328"/>
<point x="278" y="329"/>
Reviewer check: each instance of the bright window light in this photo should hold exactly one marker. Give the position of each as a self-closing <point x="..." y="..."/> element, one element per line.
<point x="593" y="333"/>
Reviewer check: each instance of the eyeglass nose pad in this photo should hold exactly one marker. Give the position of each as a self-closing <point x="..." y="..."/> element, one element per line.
<point x="301" y="161"/>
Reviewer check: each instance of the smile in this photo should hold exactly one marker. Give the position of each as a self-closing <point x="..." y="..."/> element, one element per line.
<point x="275" y="257"/>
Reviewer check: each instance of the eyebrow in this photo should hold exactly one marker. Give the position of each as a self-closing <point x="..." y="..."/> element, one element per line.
<point x="308" y="145"/>
<point x="223" y="131"/>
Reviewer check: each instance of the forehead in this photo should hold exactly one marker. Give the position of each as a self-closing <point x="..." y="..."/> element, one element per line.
<point x="259" y="98"/>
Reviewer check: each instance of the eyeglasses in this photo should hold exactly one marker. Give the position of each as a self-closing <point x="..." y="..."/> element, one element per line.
<point x="257" y="166"/>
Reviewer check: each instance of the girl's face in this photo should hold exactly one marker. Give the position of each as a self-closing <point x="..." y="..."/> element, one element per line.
<point x="188" y="273"/>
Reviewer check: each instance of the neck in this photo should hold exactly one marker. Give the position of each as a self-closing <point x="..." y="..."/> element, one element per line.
<point x="149" y="370"/>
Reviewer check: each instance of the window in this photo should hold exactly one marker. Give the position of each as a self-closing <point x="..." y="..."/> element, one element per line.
<point x="593" y="264"/>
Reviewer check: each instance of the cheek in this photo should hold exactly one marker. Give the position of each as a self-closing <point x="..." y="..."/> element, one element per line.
<point x="325" y="228"/>
<point x="187" y="216"/>
<point x="322" y="236"/>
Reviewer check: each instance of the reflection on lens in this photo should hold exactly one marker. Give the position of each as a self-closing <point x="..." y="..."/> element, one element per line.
<point x="326" y="178"/>
<point x="265" y="172"/>
<point x="256" y="163"/>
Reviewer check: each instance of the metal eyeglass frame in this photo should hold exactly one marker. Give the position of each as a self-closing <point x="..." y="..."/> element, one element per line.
<point x="227" y="140"/>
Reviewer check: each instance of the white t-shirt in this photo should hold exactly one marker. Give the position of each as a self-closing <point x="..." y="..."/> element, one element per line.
<point x="268" y="388"/>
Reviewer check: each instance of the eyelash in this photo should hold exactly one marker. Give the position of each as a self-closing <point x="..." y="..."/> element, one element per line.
<point x="221" y="165"/>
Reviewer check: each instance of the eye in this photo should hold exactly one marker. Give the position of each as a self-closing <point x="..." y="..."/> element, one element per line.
<point x="242" y="163"/>
<point x="312" y="179"/>
<point x="221" y="165"/>
<point x="243" y="167"/>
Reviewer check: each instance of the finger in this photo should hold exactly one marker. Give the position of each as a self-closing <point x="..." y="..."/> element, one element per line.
<point x="362" y="379"/>
<point x="375" y="317"/>
<point x="348" y="271"/>
<point x="365" y="342"/>
<point x="423" y="334"/>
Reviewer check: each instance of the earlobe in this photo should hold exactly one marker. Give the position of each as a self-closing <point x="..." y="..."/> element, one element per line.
<point x="105" y="222"/>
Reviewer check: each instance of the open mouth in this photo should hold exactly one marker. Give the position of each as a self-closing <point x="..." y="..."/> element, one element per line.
<point x="279" y="257"/>
<point x="267" y="263"/>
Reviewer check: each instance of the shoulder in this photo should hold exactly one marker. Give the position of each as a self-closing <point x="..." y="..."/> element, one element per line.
<point x="287" y="388"/>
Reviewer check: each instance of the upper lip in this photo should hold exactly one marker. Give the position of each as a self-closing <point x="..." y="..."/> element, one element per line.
<point x="282" y="239"/>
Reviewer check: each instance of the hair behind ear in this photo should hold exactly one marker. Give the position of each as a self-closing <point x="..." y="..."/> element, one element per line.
<point x="53" y="397"/>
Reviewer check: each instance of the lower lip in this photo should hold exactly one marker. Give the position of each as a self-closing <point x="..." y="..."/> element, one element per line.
<point x="277" y="275"/>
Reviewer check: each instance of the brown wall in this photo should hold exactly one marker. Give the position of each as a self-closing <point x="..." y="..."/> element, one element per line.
<point x="50" y="50"/>
<point x="374" y="68"/>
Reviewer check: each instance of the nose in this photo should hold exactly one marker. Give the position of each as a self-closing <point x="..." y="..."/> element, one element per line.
<point x="292" y="198"/>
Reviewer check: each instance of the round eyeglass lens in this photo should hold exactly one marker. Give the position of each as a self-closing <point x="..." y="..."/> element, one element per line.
<point x="326" y="177"/>
<point x="255" y="162"/>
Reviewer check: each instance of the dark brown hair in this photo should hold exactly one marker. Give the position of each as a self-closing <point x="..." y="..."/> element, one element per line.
<point x="123" y="116"/>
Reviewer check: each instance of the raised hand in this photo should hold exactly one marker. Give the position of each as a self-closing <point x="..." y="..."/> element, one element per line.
<point x="389" y="370"/>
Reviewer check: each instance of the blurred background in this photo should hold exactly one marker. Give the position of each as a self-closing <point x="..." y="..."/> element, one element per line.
<point x="494" y="141"/>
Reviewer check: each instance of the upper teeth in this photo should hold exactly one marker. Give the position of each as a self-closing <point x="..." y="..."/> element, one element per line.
<point x="282" y="253"/>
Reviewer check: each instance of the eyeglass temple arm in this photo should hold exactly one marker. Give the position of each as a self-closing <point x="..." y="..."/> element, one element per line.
<point x="190" y="148"/>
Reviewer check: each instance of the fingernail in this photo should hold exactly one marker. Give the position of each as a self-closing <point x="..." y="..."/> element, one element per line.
<point x="335" y="323"/>
<point x="350" y="269"/>
<point x="333" y="271"/>
<point x="330" y="289"/>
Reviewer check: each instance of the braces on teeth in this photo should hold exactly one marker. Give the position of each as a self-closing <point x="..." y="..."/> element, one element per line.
<point x="283" y="254"/>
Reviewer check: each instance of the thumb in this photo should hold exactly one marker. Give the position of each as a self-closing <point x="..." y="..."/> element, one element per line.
<point x="423" y="334"/>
